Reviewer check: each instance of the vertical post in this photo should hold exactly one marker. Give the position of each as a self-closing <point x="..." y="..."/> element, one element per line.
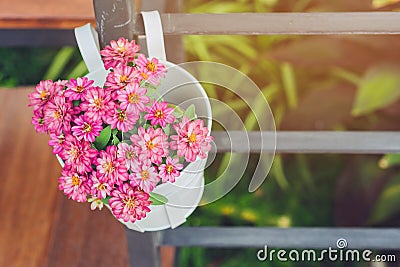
<point x="143" y="248"/>
<point x="114" y="19"/>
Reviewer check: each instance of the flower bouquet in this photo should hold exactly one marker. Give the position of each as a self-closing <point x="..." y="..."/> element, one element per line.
<point x="119" y="142"/>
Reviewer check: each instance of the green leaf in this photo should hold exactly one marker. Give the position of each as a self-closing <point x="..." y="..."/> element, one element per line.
<point x="178" y="112"/>
<point x="105" y="200"/>
<point x="346" y="75"/>
<point x="157" y="199"/>
<point x="102" y="140"/>
<point x="378" y="88"/>
<point x="115" y="141"/>
<point x="59" y="63"/>
<point x="389" y="160"/>
<point x="114" y="131"/>
<point x="79" y="70"/>
<point x="382" y="3"/>
<point x="388" y="203"/>
<point x="76" y="103"/>
<point x="190" y="112"/>
<point x="167" y="129"/>
<point x="277" y="170"/>
<point x="289" y="85"/>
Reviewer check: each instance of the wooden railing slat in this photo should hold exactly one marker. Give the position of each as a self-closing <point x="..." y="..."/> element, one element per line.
<point x="341" y="142"/>
<point x="295" y="237"/>
<point x="279" y="23"/>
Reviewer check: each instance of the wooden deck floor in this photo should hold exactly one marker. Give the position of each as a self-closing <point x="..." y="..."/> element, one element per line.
<point x="39" y="226"/>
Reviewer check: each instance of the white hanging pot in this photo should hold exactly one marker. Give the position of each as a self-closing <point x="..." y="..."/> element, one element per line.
<point x="178" y="87"/>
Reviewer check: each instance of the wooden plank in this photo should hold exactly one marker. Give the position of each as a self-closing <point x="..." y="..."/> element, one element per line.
<point x="279" y="23"/>
<point x="39" y="226"/>
<point x="343" y="142"/>
<point x="28" y="185"/>
<point x="65" y="23"/>
<point x="82" y="237"/>
<point x="44" y="14"/>
<point x="301" y="237"/>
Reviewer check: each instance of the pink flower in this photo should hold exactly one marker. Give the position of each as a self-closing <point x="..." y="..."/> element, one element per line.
<point x="119" y="52"/>
<point x="123" y="120"/>
<point x="97" y="103"/>
<point x="160" y="113"/>
<point x="128" y="153"/>
<point x="133" y="98"/>
<point x="44" y="92"/>
<point x="57" y="142"/>
<point x="112" y="167"/>
<point x="60" y="85"/>
<point x="95" y="203"/>
<point x="76" y="88"/>
<point x="87" y="128"/>
<point x="100" y="187"/>
<point x="58" y="115"/>
<point x="120" y="78"/>
<point x="153" y="68"/>
<point x="192" y="139"/>
<point x="78" y="155"/>
<point x="129" y="204"/>
<point x="145" y="176"/>
<point x="38" y="121"/>
<point x="74" y="185"/>
<point x="152" y="143"/>
<point x="170" y="170"/>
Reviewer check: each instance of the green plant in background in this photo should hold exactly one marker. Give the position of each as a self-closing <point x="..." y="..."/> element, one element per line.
<point x="311" y="83"/>
<point x="44" y="63"/>
<point x="65" y="65"/>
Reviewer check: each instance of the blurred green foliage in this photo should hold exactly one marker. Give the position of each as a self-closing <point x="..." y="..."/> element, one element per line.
<point x="27" y="66"/>
<point x="311" y="83"/>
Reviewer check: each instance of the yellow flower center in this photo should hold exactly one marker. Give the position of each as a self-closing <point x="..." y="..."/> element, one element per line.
<point x="159" y="114"/>
<point x="87" y="128"/>
<point x="108" y="167"/>
<point x="98" y="102"/>
<point x="44" y="95"/>
<point x="133" y="98"/>
<point x="74" y="153"/>
<point x="170" y="168"/>
<point x="80" y="88"/>
<point x="144" y="75"/>
<point x="192" y="138"/>
<point x="123" y="79"/>
<point x="151" y="66"/>
<point x="150" y="145"/>
<point x="145" y="175"/>
<point x="121" y="116"/>
<point x="75" y="180"/>
<point x="101" y="187"/>
<point x="57" y="114"/>
<point x="129" y="155"/>
<point x="129" y="202"/>
<point x="122" y="49"/>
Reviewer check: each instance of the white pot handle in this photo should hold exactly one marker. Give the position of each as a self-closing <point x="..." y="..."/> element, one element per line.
<point x="88" y="43"/>
<point x="154" y="34"/>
